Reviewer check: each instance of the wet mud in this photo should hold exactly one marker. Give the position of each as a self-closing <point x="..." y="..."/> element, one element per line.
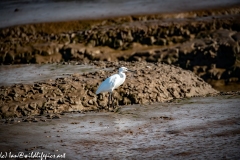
<point x="30" y="73"/>
<point x="195" y="128"/>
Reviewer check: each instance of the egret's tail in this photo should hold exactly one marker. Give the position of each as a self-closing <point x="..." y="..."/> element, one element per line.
<point x="97" y="92"/>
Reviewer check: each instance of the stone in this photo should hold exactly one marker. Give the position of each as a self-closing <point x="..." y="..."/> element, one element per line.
<point x="236" y="36"/>
<point x="91" y="102"/>
<point x="118" y="43"/>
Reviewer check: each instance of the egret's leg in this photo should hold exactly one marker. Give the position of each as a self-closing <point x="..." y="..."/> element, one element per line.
<point x="109" y="99"/>
<point x="112" y="101"/>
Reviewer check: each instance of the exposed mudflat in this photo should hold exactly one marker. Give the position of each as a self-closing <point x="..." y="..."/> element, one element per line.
<point x="195" y="128"/>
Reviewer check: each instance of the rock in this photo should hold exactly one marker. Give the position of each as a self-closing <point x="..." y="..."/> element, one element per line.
<point x="33" y="106"/>
<point x="161" y="41"/>
<point x="90" y="102"/>
<point x="149" y="40"/>
<point x="61" y="101"/>
<point x="118" y="43"/>
<point x="13" y="108"/>
<point x="91" y="94"/>
<point x="56" y="116"/>
<point x="225" y="56"/>
<point x="9" y="58"/>
<point x="4" y="109"/>
<point x="236" y="37"/>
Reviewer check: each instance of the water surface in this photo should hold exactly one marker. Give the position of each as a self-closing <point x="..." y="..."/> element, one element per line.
<point x="14" y="12"/>
<point x="30" y="73"/>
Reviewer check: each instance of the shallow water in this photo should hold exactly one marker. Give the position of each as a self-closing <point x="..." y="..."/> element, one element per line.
<point x="30" y="73"/>
<point x="195" y="128"/>
<point x="14" y="12"/>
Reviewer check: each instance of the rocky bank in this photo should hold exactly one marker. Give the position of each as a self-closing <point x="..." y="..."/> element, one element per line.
<point x="156" y="46"/>
<point x="205" y="42"/>
<point x="152" y="82"/>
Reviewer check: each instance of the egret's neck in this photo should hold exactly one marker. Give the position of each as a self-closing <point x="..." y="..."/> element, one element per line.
<point x="122" y="75"/>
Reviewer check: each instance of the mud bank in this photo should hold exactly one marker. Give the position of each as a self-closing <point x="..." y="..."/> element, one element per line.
<point x="151" y="83"/>
<point x="195" y="128"/>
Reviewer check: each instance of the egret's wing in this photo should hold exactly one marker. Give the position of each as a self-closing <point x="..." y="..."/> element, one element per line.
<point x="113" y="80"/>
<point x="108" y="84"/>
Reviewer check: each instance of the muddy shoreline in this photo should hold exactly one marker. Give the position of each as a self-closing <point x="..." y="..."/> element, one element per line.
<point x="202" y="128"/>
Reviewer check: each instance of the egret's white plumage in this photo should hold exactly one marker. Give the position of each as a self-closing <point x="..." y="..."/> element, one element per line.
<point x="113" y="82"/>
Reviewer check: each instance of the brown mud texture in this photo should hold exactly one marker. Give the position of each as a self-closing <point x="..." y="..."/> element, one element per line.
<point x="205" y="42"/>
<point x="191" y="128"/>
<point x="150" y="83"/>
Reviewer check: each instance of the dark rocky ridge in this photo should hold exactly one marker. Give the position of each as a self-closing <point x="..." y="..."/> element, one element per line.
<point x="204" y="42"/>
<point x="151" y="83"/>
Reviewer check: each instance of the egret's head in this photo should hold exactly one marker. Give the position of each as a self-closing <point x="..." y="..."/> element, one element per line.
<point x="122" y="69"/>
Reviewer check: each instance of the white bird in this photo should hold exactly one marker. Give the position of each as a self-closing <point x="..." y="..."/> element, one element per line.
<point x="113" y="82"/>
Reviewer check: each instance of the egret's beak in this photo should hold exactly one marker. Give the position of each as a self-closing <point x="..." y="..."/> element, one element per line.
<point x="131" y="71"/>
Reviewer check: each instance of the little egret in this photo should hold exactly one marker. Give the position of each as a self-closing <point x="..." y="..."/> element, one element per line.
<point x="112" y="82"/>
